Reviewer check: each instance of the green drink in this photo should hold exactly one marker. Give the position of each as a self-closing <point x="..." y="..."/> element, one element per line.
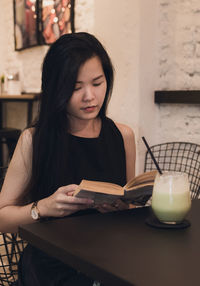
<point x="171" y="197"/>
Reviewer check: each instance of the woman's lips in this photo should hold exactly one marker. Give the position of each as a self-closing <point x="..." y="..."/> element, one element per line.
<point x="89" y="109"/>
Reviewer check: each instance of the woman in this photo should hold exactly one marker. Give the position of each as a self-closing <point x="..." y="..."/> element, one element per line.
<point x="71" y="140"/>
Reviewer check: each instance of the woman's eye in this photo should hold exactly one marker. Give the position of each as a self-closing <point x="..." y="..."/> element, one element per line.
<point x="97" y="84"/>
<point x="77" y="88"/>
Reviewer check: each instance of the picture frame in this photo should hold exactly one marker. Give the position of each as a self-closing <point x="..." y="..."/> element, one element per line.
<point x="41" y="22"/>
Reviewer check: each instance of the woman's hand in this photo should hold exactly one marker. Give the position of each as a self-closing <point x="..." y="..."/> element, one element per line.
<point x="116" y="206"/>
<point x="62" y="203"/>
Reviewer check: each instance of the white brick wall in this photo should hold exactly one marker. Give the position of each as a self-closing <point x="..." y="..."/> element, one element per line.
<point x="179" y="67"/>
<point x="179" y="41"/>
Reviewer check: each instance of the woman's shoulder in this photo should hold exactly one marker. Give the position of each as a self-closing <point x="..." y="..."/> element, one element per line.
<point x="27" y="134"/>
<point x="125" y="130"/>
<point x="25" y="140"/>
<point x="130" y="148"/>
<point x="119" y="128"/>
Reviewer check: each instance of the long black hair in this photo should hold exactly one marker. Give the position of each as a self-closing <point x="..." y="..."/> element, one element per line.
<point x="50" y="137"/>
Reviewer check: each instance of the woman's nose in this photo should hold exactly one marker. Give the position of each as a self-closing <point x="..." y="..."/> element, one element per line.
<point x="88" y="94"/>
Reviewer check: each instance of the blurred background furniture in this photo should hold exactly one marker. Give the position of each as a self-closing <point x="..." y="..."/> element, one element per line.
<point x="10" y="136"/>
<point x="8" y="141"/>
<point x="29" y="98"/>
<point x="180" y="157"/>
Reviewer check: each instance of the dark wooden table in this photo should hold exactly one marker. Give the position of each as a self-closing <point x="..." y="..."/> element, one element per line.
<point x="120" y="249"/>
<point x="29" y="98"/>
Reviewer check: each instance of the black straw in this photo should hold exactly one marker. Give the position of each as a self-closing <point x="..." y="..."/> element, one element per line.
<point x="152" y="156"/>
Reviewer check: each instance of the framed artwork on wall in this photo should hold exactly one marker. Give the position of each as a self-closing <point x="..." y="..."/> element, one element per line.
<point x="57" y="19"/>
<point x="25" y="24"/>
<point x="40" y="22"/>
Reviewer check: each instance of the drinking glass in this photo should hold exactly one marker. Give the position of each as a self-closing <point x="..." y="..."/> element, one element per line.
<point x="171" y="197"/>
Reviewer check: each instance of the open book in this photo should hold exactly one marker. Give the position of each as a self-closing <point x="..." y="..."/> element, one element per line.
<point x="137" y="191"/>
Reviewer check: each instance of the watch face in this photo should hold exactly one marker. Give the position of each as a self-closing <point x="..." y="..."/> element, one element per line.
<point x="34" y="214"/>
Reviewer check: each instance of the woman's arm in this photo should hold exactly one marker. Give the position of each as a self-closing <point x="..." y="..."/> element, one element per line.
<point x="61" y="203"/>
<point x="15" y="182"/>
<point x="130" y="149"/>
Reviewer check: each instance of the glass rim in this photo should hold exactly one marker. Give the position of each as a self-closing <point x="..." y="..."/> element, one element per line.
<point x="172" y="173"/>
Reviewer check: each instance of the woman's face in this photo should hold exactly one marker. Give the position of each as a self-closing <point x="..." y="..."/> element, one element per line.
<point x="89" y="93"/>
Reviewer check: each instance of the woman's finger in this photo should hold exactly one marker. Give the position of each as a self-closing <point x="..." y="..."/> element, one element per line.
<point x="73" y="206"/>
<point x="74" y="200"/>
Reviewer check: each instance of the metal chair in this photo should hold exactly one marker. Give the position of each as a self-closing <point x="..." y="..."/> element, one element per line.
<point x="180" y="157"/>
<point x="11" y="247"/>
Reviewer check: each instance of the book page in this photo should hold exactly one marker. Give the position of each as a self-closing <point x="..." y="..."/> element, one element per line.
<point x="101" y="187"/>
<point x="146" y="178"/>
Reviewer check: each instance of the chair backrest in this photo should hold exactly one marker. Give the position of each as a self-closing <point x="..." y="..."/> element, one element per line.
<point x="180" y="157"/>
<point x="11" y="247"/>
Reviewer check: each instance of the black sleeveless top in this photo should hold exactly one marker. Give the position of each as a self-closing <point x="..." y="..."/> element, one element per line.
<point x="101" y="158"/>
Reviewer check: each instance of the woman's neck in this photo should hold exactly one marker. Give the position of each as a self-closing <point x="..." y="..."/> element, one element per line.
<point x="86" y="128"/>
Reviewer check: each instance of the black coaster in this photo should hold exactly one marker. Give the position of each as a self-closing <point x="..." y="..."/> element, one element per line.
<point x="153" y="221"/>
